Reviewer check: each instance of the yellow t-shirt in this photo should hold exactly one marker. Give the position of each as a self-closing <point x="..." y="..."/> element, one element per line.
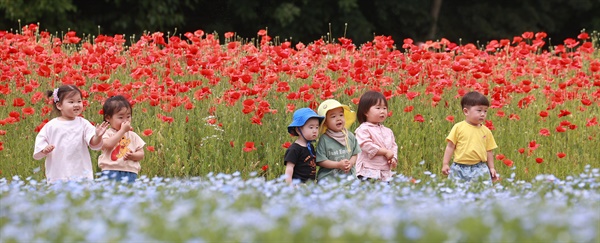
<point x="472" y="143"/>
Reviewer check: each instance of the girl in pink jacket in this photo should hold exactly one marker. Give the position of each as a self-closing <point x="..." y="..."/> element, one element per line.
<point x="379" y="151"/>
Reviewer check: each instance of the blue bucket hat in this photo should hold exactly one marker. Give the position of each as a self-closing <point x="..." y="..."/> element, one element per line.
<point x="300" y="117"/>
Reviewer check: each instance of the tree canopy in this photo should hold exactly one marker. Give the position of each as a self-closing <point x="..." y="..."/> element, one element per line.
<point x="309" y="20"/>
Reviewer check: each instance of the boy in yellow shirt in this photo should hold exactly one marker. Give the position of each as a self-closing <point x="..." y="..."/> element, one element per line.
<point x="471" y="143"/>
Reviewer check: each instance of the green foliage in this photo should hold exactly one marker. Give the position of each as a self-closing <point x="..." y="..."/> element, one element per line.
<point x="308" y="20"/>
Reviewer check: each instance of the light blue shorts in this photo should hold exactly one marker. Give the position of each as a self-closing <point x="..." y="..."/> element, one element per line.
<point x="479" y="171"/>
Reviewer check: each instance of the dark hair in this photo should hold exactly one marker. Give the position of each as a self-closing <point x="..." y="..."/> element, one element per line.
<point x="63" y="92"/>
<point x="368" y="99"/>
<point x="113" y="105"/>
<point x="473" y="98"/>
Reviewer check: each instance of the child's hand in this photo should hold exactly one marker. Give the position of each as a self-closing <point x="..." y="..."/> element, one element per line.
<point x="389" y="154"/>
<point x="445" y="170"/>
<point x="126" y="126"/>
<point x="345" y="165"/>
<point x="130" y="155"/>
<point x="48" y="149"/>
<point x="393" y="163"/>
<point x="101" y="129"/>
<point x="494" y="175"/>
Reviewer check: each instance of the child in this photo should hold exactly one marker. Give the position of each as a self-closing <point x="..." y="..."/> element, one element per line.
<point x="64" y="141"/>
<point x="378" y="144"/>
<point x="299" y="158"/>
<point x="471" y="142"/>
<point x="123" y="149"/>
<point x="337" y="147"/>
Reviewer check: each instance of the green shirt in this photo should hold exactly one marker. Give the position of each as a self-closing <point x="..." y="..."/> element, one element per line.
<point x="330" y="149"/>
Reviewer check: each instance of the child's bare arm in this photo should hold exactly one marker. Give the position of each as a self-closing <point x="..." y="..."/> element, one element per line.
<point x="330" y="164"/>
<point x="110" y="143"/>
<point x="289" y="171"/>
<point x="447" y="156"/>
<point x="135" y="156"/>
<point x="490" y="164"/>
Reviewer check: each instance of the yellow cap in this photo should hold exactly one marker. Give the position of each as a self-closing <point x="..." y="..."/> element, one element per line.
<point x="330" y="104"/>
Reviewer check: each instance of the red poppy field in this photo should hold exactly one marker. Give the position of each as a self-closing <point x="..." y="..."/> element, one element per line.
<point x="214" y="103"/>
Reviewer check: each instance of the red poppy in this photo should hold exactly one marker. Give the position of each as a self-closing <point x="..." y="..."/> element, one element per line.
<point x="508" y="162"/>
<point x="544" y="132"/>
<point x="150" y="148"/>
<point x="411" y="95"/>
<point x="500" y="156"/>
<point x="514" y="117"/>
<point x="543" y="114"/>
<point x="2" y="132"/>
<point x="565" y="123"/>
<point x="18" y="102"/>
<point x="450" y="118"/>
<point x="419" y="118"/>
<point x="539" y="160"/>
<point x="533" y="145"/>
<point x="521" y="150"/>
<point x="167" y="119"/>
<point x="583" y="36"/>
<point x="489" y="124"/>
<point x="249" y="146"/>
<point x="28" y="111"/>
<point x="147" y="132"/>
<point x="591" y="122"/>
<point x="265" y="167"/>
<point x="500" y="113"/>
<point x="408" y="108"/>
<point x="561" y="155"/>
<point x="231" y="143"/>
<point x="564" y="113"/>
<point x="286" y="145"/>
<point x="560" y="129"/>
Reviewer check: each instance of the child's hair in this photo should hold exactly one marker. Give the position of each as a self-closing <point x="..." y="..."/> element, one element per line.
<point x="61" y="93"/>
<point x="473" y="98"/>
<point x="368" y="99"/>
<point x="113" y="105"/>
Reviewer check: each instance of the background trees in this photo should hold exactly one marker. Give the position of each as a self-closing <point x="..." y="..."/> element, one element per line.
<point x="308" y="20"/>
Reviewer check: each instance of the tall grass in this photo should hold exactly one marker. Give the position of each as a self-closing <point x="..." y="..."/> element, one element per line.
<point x="210" y="137"/>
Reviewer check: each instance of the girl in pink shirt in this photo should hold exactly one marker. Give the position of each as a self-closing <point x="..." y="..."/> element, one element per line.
<point x="379" y="151"/>
<point x="64" y="140"/>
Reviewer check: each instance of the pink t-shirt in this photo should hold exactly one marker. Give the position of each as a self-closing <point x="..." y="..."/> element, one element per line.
<point x="112" y="159"/>
<point x="371" y="137"/>
<point x="70" y="159"/>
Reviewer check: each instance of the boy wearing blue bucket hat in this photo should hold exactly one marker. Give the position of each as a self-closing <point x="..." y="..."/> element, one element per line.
<point x="300" y="159"/>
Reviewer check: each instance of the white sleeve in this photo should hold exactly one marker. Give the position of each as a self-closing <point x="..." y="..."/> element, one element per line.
<point x="41" y="142"/>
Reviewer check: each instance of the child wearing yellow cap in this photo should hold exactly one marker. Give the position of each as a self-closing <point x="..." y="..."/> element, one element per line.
<point x="337" y="148"/>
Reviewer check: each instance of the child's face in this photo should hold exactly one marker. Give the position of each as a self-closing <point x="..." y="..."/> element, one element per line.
<point x="70" y="107"/>
<point x="335" y="120"/>
<point x="116" y="119"/>
<point x="377" y="113"/>
<point x="310" y="130"/>
<point x="475" y="115"/>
